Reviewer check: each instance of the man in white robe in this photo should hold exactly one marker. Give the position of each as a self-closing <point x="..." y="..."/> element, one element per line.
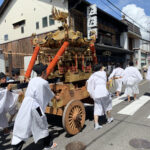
<point x="16" y="74"/>
<point x="31" y="119"/>
<point x="117" y="75"/>
<point x="131" y="78"/>
<point x="148" y="74"/>
<point x="15" y="77"/>
<point x="8" y="102"/>
<point x="96" y="86"/>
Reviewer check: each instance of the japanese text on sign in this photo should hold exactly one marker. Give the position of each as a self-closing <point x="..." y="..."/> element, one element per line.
<point x="92" y="21"/>
<point x="92" y="10"/>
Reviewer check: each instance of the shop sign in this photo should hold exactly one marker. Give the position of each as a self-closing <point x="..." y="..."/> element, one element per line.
<point x="92" y="10"/>
<point x="90" y="31"/>
<point x="91" y="20"/>
<point x="107" y="53"/>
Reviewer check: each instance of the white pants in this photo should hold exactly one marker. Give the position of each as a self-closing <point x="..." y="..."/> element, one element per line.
<point x="13" y="111"/>
<point x="118" y="83"/>
<point x="131" y="90"/>
<point x="3" y="120"/>
<point x="102" y="105"/>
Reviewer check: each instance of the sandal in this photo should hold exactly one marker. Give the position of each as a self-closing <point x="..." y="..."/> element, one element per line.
<point x="51" y="147"/>
<point x="54" y="145"/>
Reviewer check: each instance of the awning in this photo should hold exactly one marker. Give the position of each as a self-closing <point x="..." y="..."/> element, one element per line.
<point x="112" y="48"/>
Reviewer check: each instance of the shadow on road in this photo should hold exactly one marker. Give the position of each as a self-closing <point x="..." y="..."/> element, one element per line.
<point x="56" y="129"/>
<point x="39" y="145"/>
<point x="147" y="94"/>
<point x="89" y="115"/>
<point x="4" y="142"/>
<point x="56" y="121"/>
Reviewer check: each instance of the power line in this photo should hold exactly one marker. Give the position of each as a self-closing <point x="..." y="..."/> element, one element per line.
<point x="127" y="15"/>
<point x="76" y="4"/>
<point x="111" y="8"/>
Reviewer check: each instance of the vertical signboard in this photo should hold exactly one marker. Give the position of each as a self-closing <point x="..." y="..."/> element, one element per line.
<point x="91" y="20"/>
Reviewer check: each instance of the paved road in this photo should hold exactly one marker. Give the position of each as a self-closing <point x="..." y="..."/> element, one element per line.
<point x="131" y="121"/>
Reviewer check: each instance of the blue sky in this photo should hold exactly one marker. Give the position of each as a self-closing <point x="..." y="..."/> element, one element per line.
<point x="138" y="10"/>
<point x="1" y="1"/>
<point x="145" y="4"/>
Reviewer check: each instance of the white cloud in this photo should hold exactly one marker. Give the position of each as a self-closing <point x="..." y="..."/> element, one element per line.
<point x="139" y="15"/>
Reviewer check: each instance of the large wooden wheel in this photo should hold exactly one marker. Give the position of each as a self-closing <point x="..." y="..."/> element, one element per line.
<point x="73" y="117"/>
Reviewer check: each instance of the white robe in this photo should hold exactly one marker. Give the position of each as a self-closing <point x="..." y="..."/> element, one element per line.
<point x="131" y="78"/>
<point x="28" y="121"/>
<point x="148" y="73"/>
<point x="96" y="86"/>
<point x="8" y="102"/>
<point x="118" y="72"/>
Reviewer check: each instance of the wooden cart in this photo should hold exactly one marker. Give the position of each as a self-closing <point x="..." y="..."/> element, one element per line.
<point x="70" y="58"/>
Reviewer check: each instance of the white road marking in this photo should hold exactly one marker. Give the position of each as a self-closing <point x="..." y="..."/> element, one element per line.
<point x="118" y="100"/>
<point x="148" y="117"/>
<point x="134" y="106"/>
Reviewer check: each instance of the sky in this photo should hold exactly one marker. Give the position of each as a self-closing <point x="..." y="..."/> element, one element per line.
<point x="1" y="1"/>
<point x="136" y="9"/>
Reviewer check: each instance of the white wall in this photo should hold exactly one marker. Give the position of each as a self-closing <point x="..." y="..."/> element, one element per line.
<point x="26" y="64"/>
<point x="136" y="43"/>
<point x="31" y="11"/>
<point x="137" y="58"/>
<point x="2" y="63"/>
<point x="124" y="40"/>
<point x="145" y="46"/>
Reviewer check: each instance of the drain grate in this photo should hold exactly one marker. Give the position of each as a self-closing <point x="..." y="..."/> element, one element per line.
<point x="140" y="143"/>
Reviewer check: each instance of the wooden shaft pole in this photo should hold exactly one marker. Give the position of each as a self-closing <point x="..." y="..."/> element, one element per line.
<point x="56" y="58"/>
<point x="32" y="62"/>
<point x="92" y="47"/>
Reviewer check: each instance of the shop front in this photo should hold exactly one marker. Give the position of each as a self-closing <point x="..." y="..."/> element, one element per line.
<point x="112" y="55"/>
<point x="148" y="58"/>
<point x="143" y="59"/>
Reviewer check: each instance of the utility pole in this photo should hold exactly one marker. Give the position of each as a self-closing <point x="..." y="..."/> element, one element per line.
<point x="149" y="35"/>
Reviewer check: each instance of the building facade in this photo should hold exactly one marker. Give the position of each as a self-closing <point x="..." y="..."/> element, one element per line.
<point x="2" y="61"/>
<point x="145" y="52"/>
<point x="139" y="46"/>
<point x="111" y="45"/>
<point x="19" y="19"/>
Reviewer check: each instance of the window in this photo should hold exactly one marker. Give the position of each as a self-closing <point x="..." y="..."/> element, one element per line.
<point x="5" y="37"/>
<point x="18" y="24"/>
<point x="37" y="25"/>
<point x="22" y="29"/>
<point x="44" y="22"/>
<point x="51" y="20"/>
